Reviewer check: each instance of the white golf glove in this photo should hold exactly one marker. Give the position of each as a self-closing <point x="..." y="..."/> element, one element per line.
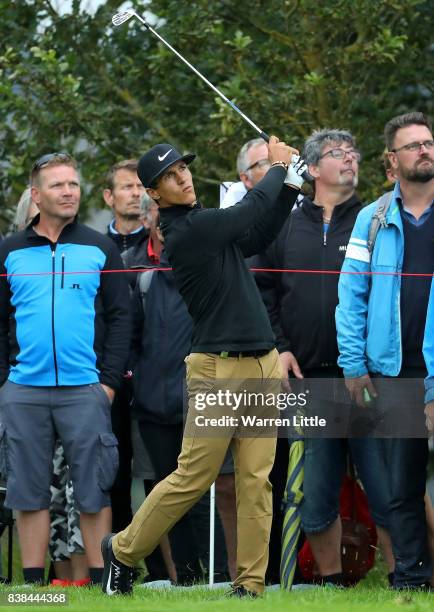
<point x="294" y="175"/>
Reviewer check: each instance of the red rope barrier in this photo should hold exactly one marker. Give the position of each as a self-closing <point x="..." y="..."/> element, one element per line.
<point x="294" y="271"/>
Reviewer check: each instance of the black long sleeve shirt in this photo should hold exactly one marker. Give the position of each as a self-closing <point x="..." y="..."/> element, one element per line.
<point x="207" y="247"/>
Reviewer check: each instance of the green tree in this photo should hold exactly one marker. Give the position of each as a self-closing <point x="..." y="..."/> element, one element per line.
<point x="293" y="66"/>
<point x="73" y="82"/>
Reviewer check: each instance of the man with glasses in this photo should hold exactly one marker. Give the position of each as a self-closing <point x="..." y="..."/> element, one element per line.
<point x="64" y="341"/>
<point x="253" y="162"/>
<point x="301" y="308"/>
<point x="252" y="165"/>
<point x="381" y="316"/>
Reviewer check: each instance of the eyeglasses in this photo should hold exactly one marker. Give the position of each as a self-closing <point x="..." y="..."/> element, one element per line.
<point x="342" y="153"/>
<point x="45" y="159"/>
<point x="261" y="163"/>
<point x="415" y="146"/>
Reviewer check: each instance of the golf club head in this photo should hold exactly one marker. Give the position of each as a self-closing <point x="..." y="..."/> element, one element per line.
<point x="122" y="17"/>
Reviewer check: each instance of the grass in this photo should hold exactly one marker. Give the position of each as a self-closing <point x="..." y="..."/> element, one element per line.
<point x="361" y="598"/>
<point x="370" y="595"/>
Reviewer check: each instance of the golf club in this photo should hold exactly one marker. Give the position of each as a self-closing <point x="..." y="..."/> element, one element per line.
<point x="125" y="16"/>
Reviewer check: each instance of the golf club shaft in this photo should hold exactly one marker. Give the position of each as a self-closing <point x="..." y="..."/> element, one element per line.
<point x="205" y="80"/>
<point x="121" y="18"/>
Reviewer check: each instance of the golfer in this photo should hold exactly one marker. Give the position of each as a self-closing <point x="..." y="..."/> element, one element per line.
<point x="232" y="341"/>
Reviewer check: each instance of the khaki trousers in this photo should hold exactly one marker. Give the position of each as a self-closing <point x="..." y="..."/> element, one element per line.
<point x="198" y="466"/>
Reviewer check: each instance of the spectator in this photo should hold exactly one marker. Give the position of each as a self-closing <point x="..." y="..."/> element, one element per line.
<point x="122" y="194"/>
<point x="145" y="247"/>
<point x="26" y="210"/>
<point x="429" y="508"/>
<point x="380" y="325"/>
<point x="390" y="174"/>
<point x="252" y="165"/>
<point x="301" y="308"/>
<point x="66" y="544"/>
<point x="59" y="378"/>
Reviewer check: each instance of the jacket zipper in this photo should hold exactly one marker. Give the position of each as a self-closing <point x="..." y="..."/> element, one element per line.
<point x="53" y="286"/>
<point x="323" y="291"/>
<point x="62" y="284"/>
<point x="324" y="258"/>
<point x="399" y="329"/>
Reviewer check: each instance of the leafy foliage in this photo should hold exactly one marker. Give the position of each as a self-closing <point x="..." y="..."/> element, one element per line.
<point x="72" y="82"/>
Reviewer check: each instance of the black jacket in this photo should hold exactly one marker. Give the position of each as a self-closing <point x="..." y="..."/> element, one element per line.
<point x="302" y="305"/>
<point x="126" y="241"/>
<point x="135" y="258"/>
<point x="161" y="341"/>
<point x="207" y="247"/>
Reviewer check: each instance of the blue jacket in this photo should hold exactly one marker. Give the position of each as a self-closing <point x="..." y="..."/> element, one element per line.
<point x="368" y="316"/>
<point x="62" y="320"/>
<point x="428" y="348"/>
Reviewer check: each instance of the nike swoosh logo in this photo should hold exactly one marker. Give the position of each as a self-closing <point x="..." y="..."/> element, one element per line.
<point x="163" y="157"/>
<point x="108" y="589"/>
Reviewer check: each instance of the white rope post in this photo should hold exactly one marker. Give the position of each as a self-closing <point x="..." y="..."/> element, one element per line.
<point x="211" y="534"/>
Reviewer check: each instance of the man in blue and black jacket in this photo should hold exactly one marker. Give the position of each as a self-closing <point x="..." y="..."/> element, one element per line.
<point x="384" y="333"/>
<point x="64" y="340"/>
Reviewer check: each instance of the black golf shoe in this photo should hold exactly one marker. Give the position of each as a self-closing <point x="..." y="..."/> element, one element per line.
<point x="117" y="578"/>
<point x="240" y="591"/>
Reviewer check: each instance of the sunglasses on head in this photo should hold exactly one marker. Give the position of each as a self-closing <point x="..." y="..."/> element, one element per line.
<point x="47" y="158"/>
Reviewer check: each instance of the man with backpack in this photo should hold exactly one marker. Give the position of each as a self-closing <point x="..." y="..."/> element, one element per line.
<point x="384" y="293"/>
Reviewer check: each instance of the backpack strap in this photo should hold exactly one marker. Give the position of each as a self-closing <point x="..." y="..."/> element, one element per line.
<point x="379" y="218"/>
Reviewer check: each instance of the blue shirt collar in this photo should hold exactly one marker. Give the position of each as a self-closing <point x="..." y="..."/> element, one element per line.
<point x="408" y="214"/>
<point x="114" y="230"/>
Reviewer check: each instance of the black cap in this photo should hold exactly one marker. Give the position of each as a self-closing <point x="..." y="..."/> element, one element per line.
<point x="154" y="162"/>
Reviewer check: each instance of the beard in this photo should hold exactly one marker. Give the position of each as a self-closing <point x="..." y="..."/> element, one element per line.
<point x="418" y="174"/>
<point x="348" y="180"/>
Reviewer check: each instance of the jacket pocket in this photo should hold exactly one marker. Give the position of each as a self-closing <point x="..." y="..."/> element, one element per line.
<point x="108" y="460"/>
<point x="4" y="452"/>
